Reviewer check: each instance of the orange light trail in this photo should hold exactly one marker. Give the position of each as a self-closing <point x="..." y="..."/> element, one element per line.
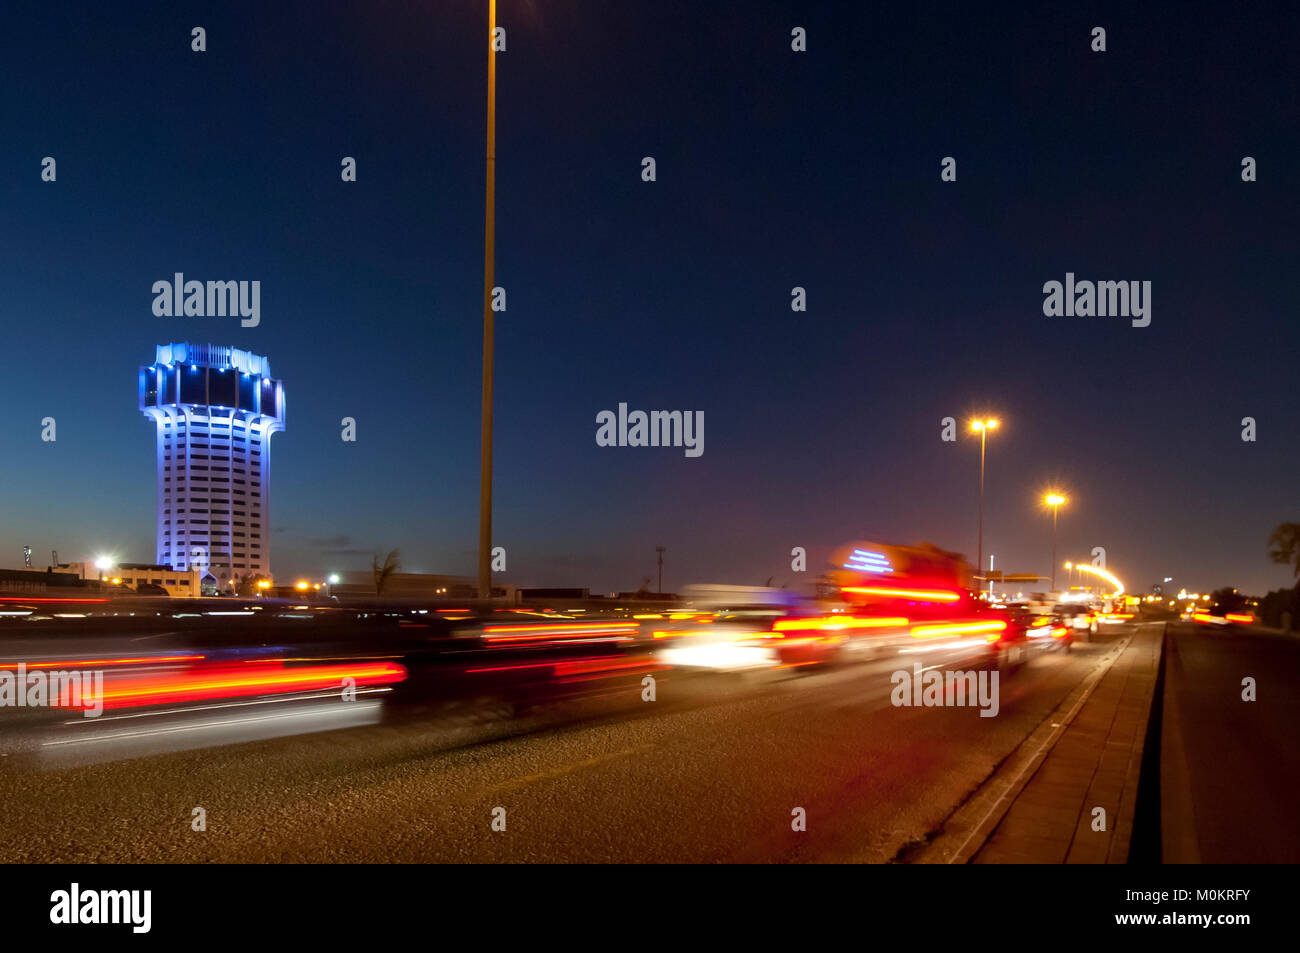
<point x="567" y="627"/>
<point x="838" y="622"/>
<point x="956" y="628"/>
<point x="95" y="663"/>
<point x="270" y="679"/>
<point x="678" y="633"/>
<point x="935" y="595"/>
<point x="46" y="599"/>
<point x="558" y="632"/>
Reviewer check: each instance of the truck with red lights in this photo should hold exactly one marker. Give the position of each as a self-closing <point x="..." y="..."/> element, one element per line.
<point x="930" y="590"/>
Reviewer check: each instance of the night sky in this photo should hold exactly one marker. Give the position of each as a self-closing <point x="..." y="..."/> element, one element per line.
<point x="775" y="169"/>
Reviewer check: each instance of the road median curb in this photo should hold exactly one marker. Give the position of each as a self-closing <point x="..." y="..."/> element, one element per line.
<point x="1038" y="805"/>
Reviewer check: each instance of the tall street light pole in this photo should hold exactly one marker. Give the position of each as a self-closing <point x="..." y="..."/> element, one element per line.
<point x="489" y="261"/>
<point x="1054" y="500"/>
<point x="981" y="427"/>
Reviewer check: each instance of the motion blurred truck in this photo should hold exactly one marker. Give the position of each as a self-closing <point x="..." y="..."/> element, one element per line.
<point x="929" y="590"/>
<point x="884" y="575"/>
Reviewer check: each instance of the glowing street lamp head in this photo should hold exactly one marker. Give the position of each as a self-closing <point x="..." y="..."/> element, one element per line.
<point x="1069" y="565"/>
<point x="104" y="562"/>
<point x="979" y="425"/>
<point x="1053" y="499"/>
<point x="334" y="579"/>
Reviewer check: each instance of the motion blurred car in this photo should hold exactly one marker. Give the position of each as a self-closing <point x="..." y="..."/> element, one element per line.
<point x="1064" y="624"/>
<point x="1032" y="629"/>
<point x="736" y="628"/>
<point x="1010" y="647"/>
<point x="1045" y="629"/>
<point x="736" y="638"/>
<point x="1078" y="618"/>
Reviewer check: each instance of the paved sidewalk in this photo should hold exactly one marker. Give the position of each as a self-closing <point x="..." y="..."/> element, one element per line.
<point x="1095" y="763"/>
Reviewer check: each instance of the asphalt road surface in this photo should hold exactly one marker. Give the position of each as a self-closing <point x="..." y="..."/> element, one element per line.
<point x="1230" y="768"/>
<point x="710" y="771"/>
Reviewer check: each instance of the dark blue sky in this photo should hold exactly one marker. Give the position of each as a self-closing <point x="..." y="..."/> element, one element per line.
<point x="775" y="169"/>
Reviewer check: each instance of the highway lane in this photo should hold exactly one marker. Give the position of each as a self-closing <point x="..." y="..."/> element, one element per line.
<point x="710" y="771"/>
<point x="1230" y="768"/>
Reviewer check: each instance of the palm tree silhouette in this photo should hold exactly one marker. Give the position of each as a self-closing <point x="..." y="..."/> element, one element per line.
<point x="1284" y="547"/>
<point x="392" y="562"/>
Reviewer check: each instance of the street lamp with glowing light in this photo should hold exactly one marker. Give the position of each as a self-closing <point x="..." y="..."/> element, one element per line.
<point x="1054" y="500"/>
<point x="982" y="427"/>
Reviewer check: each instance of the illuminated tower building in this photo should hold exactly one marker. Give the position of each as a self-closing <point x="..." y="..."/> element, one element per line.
<point x="215" y="408"/>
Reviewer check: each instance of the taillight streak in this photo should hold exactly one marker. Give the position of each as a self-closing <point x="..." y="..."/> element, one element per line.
<point x="958" y="628"/>
<point x="920" y="595"/>
<point x="834" y="623"/>
<point x="257" y="679"/>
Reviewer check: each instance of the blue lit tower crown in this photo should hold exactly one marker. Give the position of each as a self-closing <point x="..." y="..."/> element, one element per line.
<point x="215" y="408"/>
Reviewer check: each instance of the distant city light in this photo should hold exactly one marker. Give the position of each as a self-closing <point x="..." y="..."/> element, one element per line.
<point x="334" y="579"/>
<point x="104" y="562"/>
